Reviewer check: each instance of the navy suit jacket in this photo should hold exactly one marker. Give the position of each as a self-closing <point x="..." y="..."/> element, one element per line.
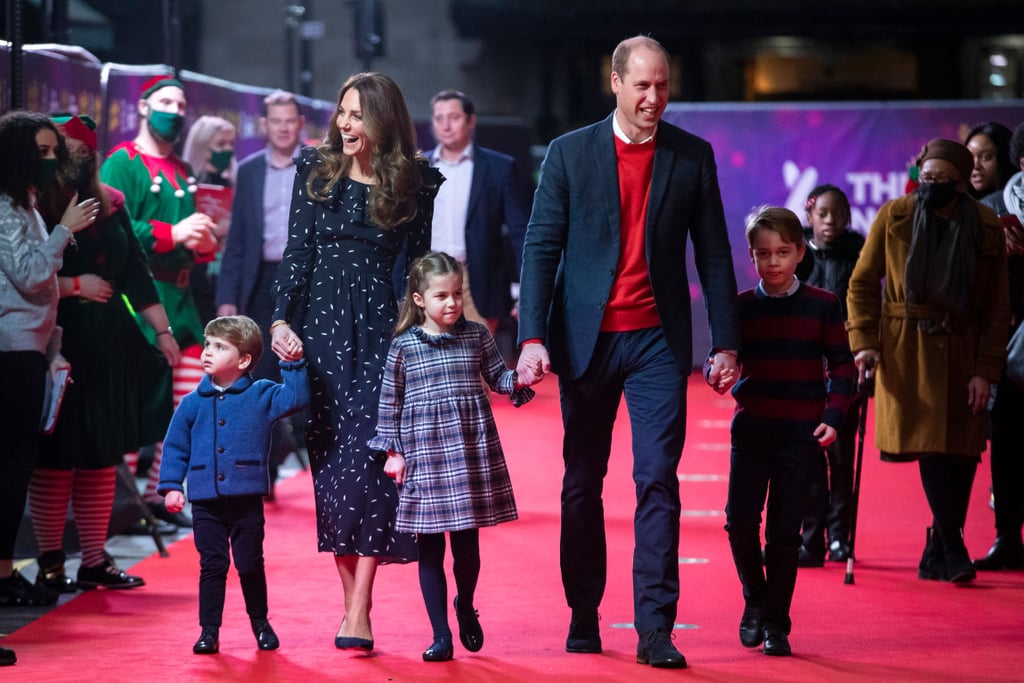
<point x="243" y="253"/>
<point x="495" y="200"/>
<point x="572" y="245"/>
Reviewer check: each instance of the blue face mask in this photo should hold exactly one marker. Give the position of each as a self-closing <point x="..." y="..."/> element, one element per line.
<point x="166" y="125"/>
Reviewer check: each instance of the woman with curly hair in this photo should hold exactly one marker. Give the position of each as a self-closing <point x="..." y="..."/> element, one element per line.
<point x="360" y="214"/>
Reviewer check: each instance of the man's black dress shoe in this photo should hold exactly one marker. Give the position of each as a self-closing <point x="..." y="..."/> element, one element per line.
<point x="1005" y="553"/>
<point x="751" y="629"/>
<point x="209" y="641"/>
<point x="16" y="590"/>
<point x="776" y="643"/>
<point x="584" y="635"/>
<point x="107" y="575"/>
<point x="266" y="639"/>
<point x="656" y="649"/>
<point x="441" y="650"/>
<point x="470" y="632"/>
<point x="810" y="558"/>
<point x="838" y="551"/>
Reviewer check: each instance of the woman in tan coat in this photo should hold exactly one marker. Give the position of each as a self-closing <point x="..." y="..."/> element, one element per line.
<point x="937" y="334"/>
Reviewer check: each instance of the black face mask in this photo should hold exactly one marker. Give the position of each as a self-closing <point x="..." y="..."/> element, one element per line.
<point x="80" y="173"/>
<point x="937" y="195"/>
<point x="46" y="175"/>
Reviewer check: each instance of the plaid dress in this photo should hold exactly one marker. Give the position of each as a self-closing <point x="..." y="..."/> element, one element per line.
<point x="434" y="410"/>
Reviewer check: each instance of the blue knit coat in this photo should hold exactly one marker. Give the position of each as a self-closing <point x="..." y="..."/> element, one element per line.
<point x="220" y="441"/>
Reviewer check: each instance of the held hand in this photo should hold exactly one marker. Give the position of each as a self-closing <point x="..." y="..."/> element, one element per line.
<point x="80" y="214"/>
<point x="168" y="346"/>
<point x="866" y="361"/>
<point x="286" y="344"/>
<point x="95" y="288"/>
<point x="58" y="362"/>
<point x="723" y="373"/>
<point x="978" y="390"/>
<point x="174" y="501"/>
<point x="534" y="363"/>
<point x="394" y="467"/>
<point x="825" y="434"/>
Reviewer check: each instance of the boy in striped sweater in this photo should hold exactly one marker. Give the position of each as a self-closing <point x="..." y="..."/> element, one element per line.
<point x="795" y="381"/>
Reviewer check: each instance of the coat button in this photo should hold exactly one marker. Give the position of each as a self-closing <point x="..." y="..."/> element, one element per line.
<point x="220" y="449"/>
<point x="220" y="477"/>
<point x="221" y="422"/>
<point x="221" y="397"/>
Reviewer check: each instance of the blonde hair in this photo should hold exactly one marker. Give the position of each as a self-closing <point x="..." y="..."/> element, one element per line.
<point x="199" y="139"/>
<point x="423" y="268"/>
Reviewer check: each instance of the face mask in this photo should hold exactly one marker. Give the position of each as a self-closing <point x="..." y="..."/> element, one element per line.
<point x="80" y="175"/>
<point x="936" y="195"/>
<point x="46" y="175"/>
<point x="221" y="159"/>
<point x="165" y="124"/>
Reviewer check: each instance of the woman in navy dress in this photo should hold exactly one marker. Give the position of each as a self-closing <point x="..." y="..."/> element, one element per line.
<point x="361" y="212"/>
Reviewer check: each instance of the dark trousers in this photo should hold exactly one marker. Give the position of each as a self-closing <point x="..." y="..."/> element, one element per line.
<point x="1007" y="459"/>
<point x="829" y="503"/>
<point x="236" y="523"/>
<point x="640" y="366"/>
<point x="434" y="586"/>
<point x="779" y="471"/>
<point x="21" y="407"/>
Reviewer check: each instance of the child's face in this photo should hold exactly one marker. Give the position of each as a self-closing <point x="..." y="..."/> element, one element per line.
<point x="775" y="259"/>
<point x="829" y="218"/>
<point x="441" y="302"/>
<point x="223" y="361"/>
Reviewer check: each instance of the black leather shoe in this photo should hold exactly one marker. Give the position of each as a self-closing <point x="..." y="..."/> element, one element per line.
<point x="838" y="551"/>
<point x="1005" y="553"/>
<point x="441" y="650"/>
<point x="751" y="628"/>
<point x="7" y="657"/>
<point x="51" y="574"/>
<point x="810" y="558"/>
<point x="776" y="643"/>
<point x="107" y="575"/>
<point x="266" y="639"/>
<point x="584" y="635"/>
<point x="656" y="649"/>
<point x="176" y="518"/>
<point x="209" y="641"/>
<point x="470" y="633"/>
<point x="351" y="643"/>
<point x="15" y="590"/>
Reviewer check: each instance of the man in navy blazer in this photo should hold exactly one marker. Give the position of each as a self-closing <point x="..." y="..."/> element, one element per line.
<point x="480" y="212"/>
<point x="604" y="291"/>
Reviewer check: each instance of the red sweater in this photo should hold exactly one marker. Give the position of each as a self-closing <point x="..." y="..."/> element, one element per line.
<point x="631" y="301"/>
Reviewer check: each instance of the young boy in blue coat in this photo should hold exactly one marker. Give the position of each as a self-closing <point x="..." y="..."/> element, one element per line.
<point x="219" y="438"/>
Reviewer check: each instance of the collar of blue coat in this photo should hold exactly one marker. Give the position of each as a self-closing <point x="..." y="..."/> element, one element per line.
<point x="206" y="387"/>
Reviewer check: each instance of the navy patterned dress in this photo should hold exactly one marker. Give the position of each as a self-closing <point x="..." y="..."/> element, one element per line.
<point x="334" y="287"/>
<point x="434" y="410"/>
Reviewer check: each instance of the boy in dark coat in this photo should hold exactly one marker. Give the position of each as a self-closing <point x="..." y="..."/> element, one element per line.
<point x="219" y="438"/>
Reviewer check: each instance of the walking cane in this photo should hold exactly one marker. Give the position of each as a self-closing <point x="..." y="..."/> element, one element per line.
<point x="867" y="390"/>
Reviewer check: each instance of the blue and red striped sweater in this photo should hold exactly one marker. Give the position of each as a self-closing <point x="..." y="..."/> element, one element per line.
<point x="796" y="368"/>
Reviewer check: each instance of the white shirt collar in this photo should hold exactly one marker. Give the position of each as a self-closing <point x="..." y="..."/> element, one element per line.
<point x="617" y="129"/>
<point x="782" y="295"/>
<point x="465" y="155"/>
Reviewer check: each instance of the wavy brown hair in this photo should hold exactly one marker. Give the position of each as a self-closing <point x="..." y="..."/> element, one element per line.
<point x="389" y="128"/>
<point x="422" y="269"/>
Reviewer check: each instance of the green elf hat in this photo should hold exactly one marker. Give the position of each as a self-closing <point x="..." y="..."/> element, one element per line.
<point x="77" y="126"/>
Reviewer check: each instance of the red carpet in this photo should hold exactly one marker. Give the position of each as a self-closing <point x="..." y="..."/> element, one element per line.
<point x="889" y="626"/>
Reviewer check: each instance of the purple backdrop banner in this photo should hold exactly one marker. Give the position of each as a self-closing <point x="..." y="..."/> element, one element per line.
<point x="775" y="154"/>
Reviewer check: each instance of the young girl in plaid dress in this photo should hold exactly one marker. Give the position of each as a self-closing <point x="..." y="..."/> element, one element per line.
<point x="436" y="425"/>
